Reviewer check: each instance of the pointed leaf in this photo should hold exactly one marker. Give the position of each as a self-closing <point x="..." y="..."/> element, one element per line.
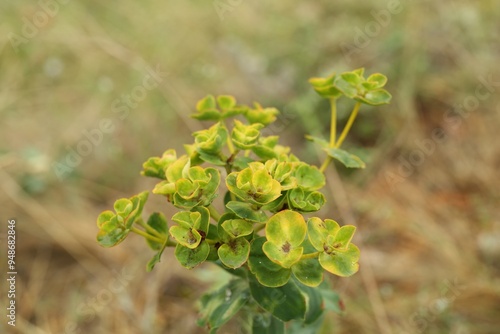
<point x="159" y="223"/>
<point x="349" y="160"/>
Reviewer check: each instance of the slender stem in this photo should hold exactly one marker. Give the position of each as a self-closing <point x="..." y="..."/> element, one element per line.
<point x="310" y="256"/>
<point x="348" y="126"/>
<point x="333" y="132"/>
<point x="147" y="236"/>
<point x="214" y="213"/>
<point x="325" y="164"/>
<point x="211" y="241"/>
<point x="149" y="229"/>
<point x="333" y="121"/>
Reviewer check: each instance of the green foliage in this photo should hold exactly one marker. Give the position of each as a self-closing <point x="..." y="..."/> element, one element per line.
<point x="261" y="236"/>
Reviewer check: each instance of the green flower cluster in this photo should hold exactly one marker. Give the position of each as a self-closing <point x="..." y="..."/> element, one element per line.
<point x="261" y="235"/>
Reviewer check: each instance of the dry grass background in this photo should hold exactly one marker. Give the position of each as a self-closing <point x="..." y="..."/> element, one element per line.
<point x="437" y="228"/>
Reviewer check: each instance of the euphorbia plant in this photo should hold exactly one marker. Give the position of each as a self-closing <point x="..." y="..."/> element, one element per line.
<point x="264" y="235"/>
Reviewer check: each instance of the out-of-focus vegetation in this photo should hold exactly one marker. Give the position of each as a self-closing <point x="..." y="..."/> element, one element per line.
<point x="426" y="206"/>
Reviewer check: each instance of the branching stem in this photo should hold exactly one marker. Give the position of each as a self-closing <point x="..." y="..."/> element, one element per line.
<point x="147" y="236"/>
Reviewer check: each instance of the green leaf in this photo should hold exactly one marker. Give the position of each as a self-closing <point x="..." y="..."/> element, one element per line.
<point x="349" y="160"/>
<point x="112" y="232"/>
<point x="267" y="272"/>
<point x="190" y="258"/>
<point x="285" y="232"/>
<point x="159" y="223"/>
<point x="309" y="177"/>
<point x="344" y="236"/>
<point x="104" y="217"/>
<point x="240" y="163"/>
<point x="220" y="306"/>
<point x="321" y="142"/>
<point x="208" y="115"/>
<point x="244" y="136"/>
<point x="138" y="202"/>
<point x="285" y="302"/>
<point x="246" y="211"/>
<point x="309" y="272"/>
<point x="318" y="231"/>
<point x="346" y="87"/>
<point x="305" y="201"/>
<point x="264" y="116"/>
<point x="265" y="323"/>
<point x="286" y="226"/>
<point x="343" y="263"/>
<point x="314" y="301"/>
<point x="208" y="102"/>
<point x="331" y="298"/>
<point x="234" y="253"/>
<point x="213" y="159"/>
<point x="299" y="327"/>
<point x="378" y="79"/>
<point x="359" y="71"/>
<point x="123" y="207"/>
<point x="376" y="97"/>
<point x="156" y="258"/>
<point x="264" y="152"/>
<point x="204" y="221"/>
<point x="188" y="237"/>
<point x="237" y="227"/>
<point x="226" y="101"/>
<point x="325" y="87"/>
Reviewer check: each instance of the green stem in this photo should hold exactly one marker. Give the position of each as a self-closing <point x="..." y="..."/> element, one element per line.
<point x="211" y="241"/>
<point x="348" y="126"/>
<point x="343" y="135"/>
<point x="310" y="256"/>
<point x="333" y="132"/>
<point x="214" y="213"/>
<point x="149" y="229"/>
<point x="325" y="164"/>
<point x="333" y="121"/>
<point x="147" y="236"/>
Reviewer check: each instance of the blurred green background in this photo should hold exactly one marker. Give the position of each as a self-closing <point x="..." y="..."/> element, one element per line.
<point x="426" y="207"/>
